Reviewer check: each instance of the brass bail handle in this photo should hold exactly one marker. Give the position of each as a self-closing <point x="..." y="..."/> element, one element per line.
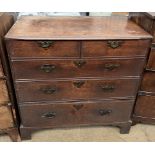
<point x="49" y="115"/>
<point x="104" y="112"/>
<point x="108" y="88"/>
<point x="114" y="43"/>
<point x="48" y="90"/>
<point x="45" y="44"/>
<point x="111" y="66"/>
<point x="47" y="68"/>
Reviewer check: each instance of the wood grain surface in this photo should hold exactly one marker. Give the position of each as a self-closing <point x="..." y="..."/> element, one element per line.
<point x="75" y="28"/>
<point x="76" y="49"/>
<point x="76" y="113"/>
<point x="151" y="60"/>
<point x="126" y="48"/>
<point x="33" y="49"/>
<point x="145" y="107"/>
<point x="105" y="68"/>
<point x="83" y="89"/>
<point x="148" y="82"/>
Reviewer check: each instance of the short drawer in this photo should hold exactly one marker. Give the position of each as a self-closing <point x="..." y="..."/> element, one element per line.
<point x="148" y="82"/>
<point x="3" y="93"/>
<point x="49" y="69"/>
<point x="83" y="113"/>
<point x="151" y="61"/>
<point x="6" y="120"/>
<point x="145" y="106"/>
<point x="75" y="90"/>
<point x="37" y="49"/>
<point x="115" y="48"/>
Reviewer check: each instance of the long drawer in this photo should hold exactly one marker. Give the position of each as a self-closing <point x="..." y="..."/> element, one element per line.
<point x="115" y="48"/>
<point x="49" y="69"/>
<point x="46" y="49"/>
<point x="148" y="82"/>
<point x="75" y="90"/>
<point x="3" y="93"/>
<point x="83" y="113"/>
<point x="6" y="120"/>
<point x="145" y="106"/>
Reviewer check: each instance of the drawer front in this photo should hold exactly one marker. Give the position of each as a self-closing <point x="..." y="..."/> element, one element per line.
<point x="151" y="61"/>
<point x="3" y="93"/>
<point x="1" y="70"/>
<point x="75" y="90"/>
<point x="44" y="115"/>
<point x="115" y="48"/>
<point x="6" y="120"/>
<point x="145" y="106"/>
<point x="49" y="69"/>
<point x="148" y="82"/>
<point x="36" y="49"/>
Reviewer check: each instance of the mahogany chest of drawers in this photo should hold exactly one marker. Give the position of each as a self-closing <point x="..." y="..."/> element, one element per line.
<point x="145" y="106"/>
<point x="76" y="71"/>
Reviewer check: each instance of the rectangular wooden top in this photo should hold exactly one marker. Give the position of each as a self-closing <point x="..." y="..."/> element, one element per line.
<point x="75" y="28"/>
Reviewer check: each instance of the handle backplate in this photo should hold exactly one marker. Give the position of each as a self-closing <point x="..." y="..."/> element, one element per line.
<point x="48" y="90"/>
<point x="111" y="66"/>
<point x="108" y="88"/>
<point x="47" y="68"/>
<point x="45" y="44"/>
<point x="104" y="112"/>
<point x="114" y="43"/>
<point x="49" y="115"/>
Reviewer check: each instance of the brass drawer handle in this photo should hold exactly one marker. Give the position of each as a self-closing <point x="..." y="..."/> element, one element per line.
<point x="108" y="88"/>
<point x="45" y="44"/>
<point x="47" y="68"/>
<point x="78" y="84"/>
<point x="49" y="115"/>
<point x="111" y="66"/>
<point x="48" y="90"/>
<point x="114" y="44"/>
<point x="104" y="112"/>
<point x="79" y="63"/>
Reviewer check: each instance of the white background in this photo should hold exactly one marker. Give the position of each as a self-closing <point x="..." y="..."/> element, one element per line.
<point x="77" y="5"/>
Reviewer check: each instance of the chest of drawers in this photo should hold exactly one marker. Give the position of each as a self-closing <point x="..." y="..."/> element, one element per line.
<point x="76" y="71"/>
<point x="145" y="106"/>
